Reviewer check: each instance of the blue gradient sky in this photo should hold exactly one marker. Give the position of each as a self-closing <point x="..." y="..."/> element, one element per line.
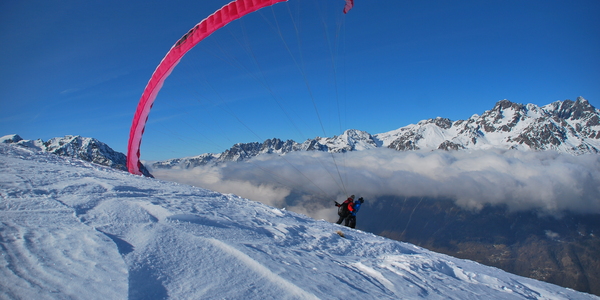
<point x="79" y="68"/>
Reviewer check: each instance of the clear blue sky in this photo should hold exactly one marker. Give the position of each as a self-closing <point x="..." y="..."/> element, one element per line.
<point x="79" y="68"/>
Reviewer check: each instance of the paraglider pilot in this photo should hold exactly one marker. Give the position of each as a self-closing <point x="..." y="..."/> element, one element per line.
<point x="351" y="219"/>
<point x="348" y="209"/>
<point x="343" y="210"/>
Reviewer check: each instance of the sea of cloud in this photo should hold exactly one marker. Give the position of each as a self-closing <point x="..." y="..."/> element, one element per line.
<point x="308" y="182"/>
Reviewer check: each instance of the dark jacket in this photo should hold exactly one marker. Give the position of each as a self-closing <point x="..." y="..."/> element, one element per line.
<point x="344" y="208"/>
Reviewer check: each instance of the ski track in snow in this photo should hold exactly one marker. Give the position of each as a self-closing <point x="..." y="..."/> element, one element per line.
<point x="75" y="230"/>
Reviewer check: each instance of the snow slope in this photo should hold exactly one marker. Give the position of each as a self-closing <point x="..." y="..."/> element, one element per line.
<point x="76" y="230"/>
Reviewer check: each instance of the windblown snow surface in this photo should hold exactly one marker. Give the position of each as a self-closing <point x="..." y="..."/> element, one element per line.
<point x="75" y="230"/>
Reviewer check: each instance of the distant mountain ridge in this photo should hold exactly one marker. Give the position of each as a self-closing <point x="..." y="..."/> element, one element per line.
<point x="565" y="126"/>
<point x="86" y="149"/>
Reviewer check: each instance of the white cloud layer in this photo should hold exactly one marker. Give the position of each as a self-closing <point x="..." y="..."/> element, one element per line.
<point x="307" y="182"/>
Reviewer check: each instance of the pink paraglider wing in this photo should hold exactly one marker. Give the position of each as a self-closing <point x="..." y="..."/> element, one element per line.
<point x="232" y="11"/>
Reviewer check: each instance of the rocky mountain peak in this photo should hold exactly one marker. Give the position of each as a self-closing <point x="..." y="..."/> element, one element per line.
<point x="355" y="134"/>
<point x="10" y="139"/>
<point x="443" y="123"/>
<point x="506" y="104"/>
<point x="575" y="110"/>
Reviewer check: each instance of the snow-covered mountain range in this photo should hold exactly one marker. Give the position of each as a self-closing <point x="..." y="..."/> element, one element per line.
<point x="84" y="148"/>
<point x="76" y="230"/>
<point x="565" y="126"/>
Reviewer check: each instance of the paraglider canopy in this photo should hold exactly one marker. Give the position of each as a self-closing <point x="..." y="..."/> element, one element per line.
<point x="230" y="12"/>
